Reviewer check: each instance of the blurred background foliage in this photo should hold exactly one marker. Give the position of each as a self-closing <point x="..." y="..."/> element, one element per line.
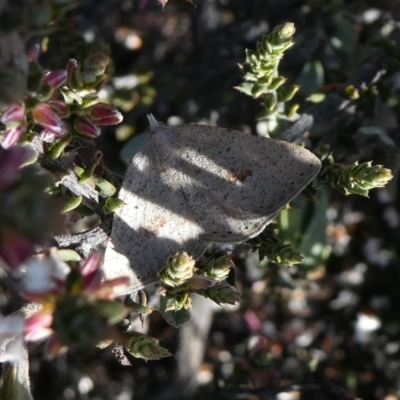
<point x="328" y="328"/>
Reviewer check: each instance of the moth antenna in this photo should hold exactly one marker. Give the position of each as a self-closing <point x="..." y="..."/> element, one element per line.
<point x="153" y="122"/>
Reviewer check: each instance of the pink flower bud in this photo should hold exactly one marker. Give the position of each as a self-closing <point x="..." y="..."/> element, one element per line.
<point x="10" y="162"/>
<point x="91" y="271"/>
<point x="60" y="108"/>
<point x="84" y="126"/>
<point x="202" y="282"/>
<point x="104" y="114"/>
<point x="34" y="53"/>
<point x="37" y="326"/>
<point x="49" y="136"/>
<point x="91" y="263"/>
<point x="113" y="288"/>
<point x="78" y="160"/>
<point x="15" y="248"/>
<point x="48" y="119"/>
<point x="55" y="79"/>
<point x="71" y="66"/>
<point x="14" y="113"/>
<point x="13" y="135"/>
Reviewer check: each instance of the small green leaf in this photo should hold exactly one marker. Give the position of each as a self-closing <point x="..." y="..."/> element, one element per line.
<point x="174" y="318"/>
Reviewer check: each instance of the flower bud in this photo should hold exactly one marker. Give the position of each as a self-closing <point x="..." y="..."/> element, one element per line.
<point x="178" y="270"/>
<point x="104" y="114"/>
<point x="91" y="272"/>
<point x="14" y="113"/>
<point x="13" y="135"/>
<point x="201" y="282"/>
<point x="84" y="126"/>
<point x="34" y="53"/>
<point x="143" y="346"/>
<point x="72" y="64"/>
<point x="14" y="248"/>
<point x="44" y="116"/>
<point x="55" y="79"/>
<point x="11" y="161"/>
<point x="218" y="269"/>
<point x="60" y="108"/>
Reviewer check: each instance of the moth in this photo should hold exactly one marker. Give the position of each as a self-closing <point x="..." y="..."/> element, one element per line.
<point x="193" y="185"/>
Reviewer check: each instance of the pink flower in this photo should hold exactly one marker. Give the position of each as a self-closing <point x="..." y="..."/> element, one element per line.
<point x="56" y="79"/>
<point x="13" y="135"/>
<point x="92" y="274"/>
<point x="37" y="326"/>
<point x="253" y="322"/>
<point x="45" y="275"/>
<point x="48" y="119"/>
<point x="67" y="298"/>
<point x="104" y="114"/>
<point x="49" y="136"/>
<point x="14" y="113"/>
<point x="84" y="126"/>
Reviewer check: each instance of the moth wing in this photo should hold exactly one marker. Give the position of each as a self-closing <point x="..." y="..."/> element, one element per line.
<point x="236" y="182"/>
<point x="153" y="224"/>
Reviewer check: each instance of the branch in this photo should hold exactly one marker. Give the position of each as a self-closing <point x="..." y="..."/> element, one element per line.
<point x="69" y="180"/>
<point x="82" y="242"/>
<point x="85" y="241"/>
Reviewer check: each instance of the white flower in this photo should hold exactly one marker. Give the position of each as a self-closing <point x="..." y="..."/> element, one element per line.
<point x="11" y="338"/>
<point x="43" y="273"/>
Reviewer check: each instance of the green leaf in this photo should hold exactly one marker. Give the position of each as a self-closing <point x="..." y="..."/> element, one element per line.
<point x="174" y="318"/>
<point x="311" y="78"/>
<point x="304" y="227"/>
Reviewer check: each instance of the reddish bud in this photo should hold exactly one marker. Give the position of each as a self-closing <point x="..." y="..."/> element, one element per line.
<point x="91" y="263"/>
<point x="113" y="288"/>
<point x="78" y="160"/>
<point x="91" y="271"/>
<point x="55" y="79"/>
<point x="49" y="120"/>
<point x="60" y="108"/>
<point x="11" y="161"/>
<point x="201" y="282"/>
<point x="84" y="126"/>
<point x="98" y="159"/>
<point x="14" y="248"/>
<point x="71" y="66"/>
<point x="14" y="113"/>
<point x="13" y="135"/>
<point x="34" y="53"/>
<point x="104" y="114"/>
